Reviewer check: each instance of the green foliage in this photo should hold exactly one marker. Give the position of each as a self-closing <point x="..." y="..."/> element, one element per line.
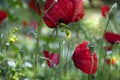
<point x="17" y="54"/>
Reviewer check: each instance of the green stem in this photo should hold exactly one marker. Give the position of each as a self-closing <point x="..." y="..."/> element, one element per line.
<point x="49" y="39"/>
<point x="65" y="71"/>
<point x="109" y="68"/>
<point x="37" y="51"/>
<point x="101" y="44"/>
<point x="58" y="40"/>
<point x="90" y="76"/>
<point x="21" y="59"/>
<point x="59" y="46"/>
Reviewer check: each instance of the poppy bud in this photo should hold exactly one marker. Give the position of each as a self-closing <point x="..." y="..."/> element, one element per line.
<point x="112" y="11"/>
<point x="21" y="52"/>
<point x="68" y="34"/>
<point x="7" y="45"/>
<point x="91" y="47"/>
<point x="62" y="25"/>
<point x="13" y="39"/>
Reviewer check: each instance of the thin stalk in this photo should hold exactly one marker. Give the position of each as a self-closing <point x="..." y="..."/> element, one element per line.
<point x="7" y="67"/>
<point x="66" y="65"/>
<point x="21" y="59"/>
<point x="109" y="73"/>
<point x="58" y="40"/>
<point x="49" y="38"/>
<point x="59" y="46"/>
<point x="101" y="44"/>
<point x="37" y="38"/>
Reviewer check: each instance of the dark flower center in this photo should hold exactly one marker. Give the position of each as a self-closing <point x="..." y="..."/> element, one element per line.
<point x="60" y="21"/>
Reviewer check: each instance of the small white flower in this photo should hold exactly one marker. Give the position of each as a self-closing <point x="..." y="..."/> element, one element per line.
<point x="26" y="79"/>
<point x="109" y="52"/>
<point x="27" y="64"/>
<point x="11" y="63"/>
<point x="43" y="65"/>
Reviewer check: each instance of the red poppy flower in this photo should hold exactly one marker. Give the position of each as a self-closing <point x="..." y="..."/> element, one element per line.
<point x="108" y="48"/>
<point x="84" y="59"/>
<point x="104" y="10"/>
<point x="33" y="4"/>
<point x="111" y="61"/>
<point x="3" y="15"/>
<point x="65" y="11"/>
<point x="53" y="59"/>
<point x="112" y="37"/>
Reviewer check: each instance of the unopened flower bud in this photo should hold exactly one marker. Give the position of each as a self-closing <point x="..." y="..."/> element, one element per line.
<point x="13" y="39"/>
<point x="15" y="29"/>
<point x="68" y="33"/>
<point x="91" y="47"/>
<point x="112" y="11"/>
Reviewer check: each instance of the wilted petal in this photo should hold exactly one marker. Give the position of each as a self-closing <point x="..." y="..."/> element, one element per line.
<point x="53" y="58"/>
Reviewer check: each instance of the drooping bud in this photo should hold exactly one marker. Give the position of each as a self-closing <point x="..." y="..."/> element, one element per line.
<point x="91" y="47"/>
<point x="112" y="11"/>
<point x="68" y="34"/>
<point x="62" y="25"/>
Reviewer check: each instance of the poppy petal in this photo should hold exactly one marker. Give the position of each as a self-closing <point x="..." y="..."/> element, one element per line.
<point x="104" y="10"/>
<point x="78" y="10"/>
<point x="53" y="60"/>
<point x="65" y="10"/>
<point x="111" y="37"/>
<point x="84" y="59"/>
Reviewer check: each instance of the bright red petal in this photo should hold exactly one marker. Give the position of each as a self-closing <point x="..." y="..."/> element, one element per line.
<point x="83" y="45"/>
<point x="78" y="10"/>
<point x="65" y="10"/>
<point x="80" y="47"/>
<point x="112" y="37"/>
<point x="3" y="15"/>
<point x="84" y="60"/>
